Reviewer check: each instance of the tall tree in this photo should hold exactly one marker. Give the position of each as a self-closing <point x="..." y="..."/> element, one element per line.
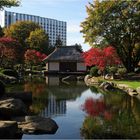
<point x="8" y="50"/>
<point x="58" y="42"/>
<point x="101" y="58"/>
<point x="38" y="40"/>
<point x="33" y="57"/>
<point x="116" y="22"/>
<point x="21" y="31"/>
<point x="8" y="3"/>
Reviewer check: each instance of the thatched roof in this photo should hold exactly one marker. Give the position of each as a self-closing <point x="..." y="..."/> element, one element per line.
<point x="66" y="53"/>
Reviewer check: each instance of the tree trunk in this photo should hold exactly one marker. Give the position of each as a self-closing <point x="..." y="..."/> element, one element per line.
<point x="129" y="65"/>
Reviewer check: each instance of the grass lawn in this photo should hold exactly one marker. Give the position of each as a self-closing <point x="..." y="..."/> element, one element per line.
<point x="132" y="84"/>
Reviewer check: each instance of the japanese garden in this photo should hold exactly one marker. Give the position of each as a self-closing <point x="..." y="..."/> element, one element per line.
<point x="61" y="91"/>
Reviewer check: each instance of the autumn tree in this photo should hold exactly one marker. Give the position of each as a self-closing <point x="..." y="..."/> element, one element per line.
<point x="21" y="31"/>
<point x="101" y="57"/>
<point x="38" y="40"/>
<point x="8" y="51"/>
<point x="33" y="57"/>
<point x="8" y="3"/>
<point x="115" y="23"/>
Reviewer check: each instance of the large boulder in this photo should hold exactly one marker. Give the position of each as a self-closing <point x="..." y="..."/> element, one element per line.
<point x="132" y="92"/>
<point x="12" y="107"/>
<point x="108" y="76"/>
<point x="107" y="86"/>
<point x="86" y="79"/>
<point x="8" y="129"/>
<point x="2" y="88"/>
<point x="89" y="81"/>
<point x="138" y="90"/>
<point x="38" y="125"/>
<point x="8" y="79"/>
<point x="24" y="96"/>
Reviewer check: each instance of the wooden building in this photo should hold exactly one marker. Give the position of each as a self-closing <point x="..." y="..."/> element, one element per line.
<point x="65" y="59"/>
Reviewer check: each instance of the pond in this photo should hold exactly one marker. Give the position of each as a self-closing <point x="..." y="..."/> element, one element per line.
<point x="82" y="112"/>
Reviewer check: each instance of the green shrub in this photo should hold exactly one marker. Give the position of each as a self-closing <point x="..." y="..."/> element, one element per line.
<point x="94" y="71"/>
<point x="112" y="70"/>
<point x="131" y="74"/>
<point x="1" y="69"/>
<point x="121" y="71"/>
<point x="10" y="72"/>
<point x="37" y="68"/>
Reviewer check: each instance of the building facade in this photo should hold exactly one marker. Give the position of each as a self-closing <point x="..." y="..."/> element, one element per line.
<point x="52" y="27"/>
<point x="65" y="59"/>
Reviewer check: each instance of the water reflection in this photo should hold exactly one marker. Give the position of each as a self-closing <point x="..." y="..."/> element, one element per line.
<point x="49" y="99"/>
<point x="62" y="103"/>
<point x="112" y="116"/>
<point x="83" y="113"/>
<point x="54" y="108"/>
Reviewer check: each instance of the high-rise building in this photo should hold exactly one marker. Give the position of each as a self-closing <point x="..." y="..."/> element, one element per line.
<point x="52" y="27"/>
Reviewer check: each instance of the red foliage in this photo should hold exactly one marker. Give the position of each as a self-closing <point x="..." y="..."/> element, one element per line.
<point x="108" y="115"/>
<point x="7" y="41"/>
<point x="94" y="107"/>
<point x="97" y="107"/>
<point x="33" y="56"/>
<point x="101" y="58"/>
<point x="36" y="89"/>
<point x="8" y="48"/>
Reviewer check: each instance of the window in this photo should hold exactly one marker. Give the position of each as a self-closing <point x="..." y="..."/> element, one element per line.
<point x="9" y="19"/>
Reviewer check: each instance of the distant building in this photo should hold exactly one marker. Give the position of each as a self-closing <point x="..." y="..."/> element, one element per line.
<point x="53" y="27"/>
<point x="65" y="59"/>
<point x="54" y="108"/>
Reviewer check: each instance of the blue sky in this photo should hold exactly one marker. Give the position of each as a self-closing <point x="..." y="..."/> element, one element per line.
<point x="71" y="11"/>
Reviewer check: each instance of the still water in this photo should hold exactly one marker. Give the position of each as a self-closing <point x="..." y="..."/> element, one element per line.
<point x="82" y="112"/>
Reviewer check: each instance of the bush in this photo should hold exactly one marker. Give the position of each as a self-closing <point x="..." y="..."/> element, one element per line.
<point x="10" y="72"/>
<point x="121" y="71"/>
<point x="94" y="71"/>
<point x="37" y="68"/>
<point x="112" y="70"/>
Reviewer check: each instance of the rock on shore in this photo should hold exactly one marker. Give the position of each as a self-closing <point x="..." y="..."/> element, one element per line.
<point x="8" y="129"/>
<point x="12" y="107"/>
<point x="38" y="125"/>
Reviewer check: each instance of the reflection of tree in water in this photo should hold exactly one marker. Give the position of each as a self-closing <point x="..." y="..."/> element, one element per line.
<point x="37" y="89"/>
<point x="51" y="100"/>
<point x="67" y="92"/>
<point x="115" y="116"/>
<point x="39" y="95"/>
<point x="58" y="95"/>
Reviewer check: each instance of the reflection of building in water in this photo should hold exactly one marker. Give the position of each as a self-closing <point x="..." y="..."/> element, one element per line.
<point x="52" y="80"/>
<point x="54" y="108"/>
